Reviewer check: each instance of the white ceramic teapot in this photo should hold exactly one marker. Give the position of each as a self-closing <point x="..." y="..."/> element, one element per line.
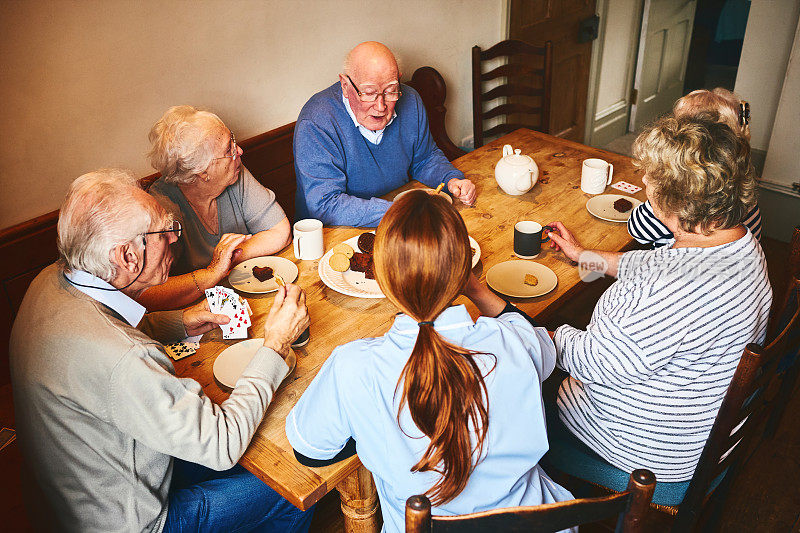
<point x="515" y="173"/>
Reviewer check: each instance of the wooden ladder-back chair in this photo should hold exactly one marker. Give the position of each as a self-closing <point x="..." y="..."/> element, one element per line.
<point x="727" y="448"/>
<point x="527" y="79"/>
<point x="431" y="88"/>
<point x="789" y="367"/>
<point x="630" y="507"/>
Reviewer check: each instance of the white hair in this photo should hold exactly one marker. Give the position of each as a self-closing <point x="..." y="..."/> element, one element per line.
<point x="183" y="145"/>
<point x="101" y="211"/>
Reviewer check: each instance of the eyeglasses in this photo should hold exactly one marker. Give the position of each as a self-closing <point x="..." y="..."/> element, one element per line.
<point x="176" y="228"/>
<point x="744" y="113"/>
<point x="388" y="96"/>
<point x="234" y="153"/>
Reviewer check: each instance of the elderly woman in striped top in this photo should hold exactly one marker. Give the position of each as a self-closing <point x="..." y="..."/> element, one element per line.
<point x="644" y="225"/>
<point x="648" y="375"/>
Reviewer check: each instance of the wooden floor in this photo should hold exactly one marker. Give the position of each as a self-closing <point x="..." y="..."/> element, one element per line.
<point x="765" y="498"/>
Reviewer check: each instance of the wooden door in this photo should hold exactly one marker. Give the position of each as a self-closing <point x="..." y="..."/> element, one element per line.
<point x="558" y="21"/>
<point x="661" y="64"/>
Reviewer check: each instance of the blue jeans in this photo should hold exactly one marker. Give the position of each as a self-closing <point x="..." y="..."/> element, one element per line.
<point x="201" y="499"/>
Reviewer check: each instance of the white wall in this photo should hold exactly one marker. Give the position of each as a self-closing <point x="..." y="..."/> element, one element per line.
<point x="762" y="66"/>
<point x="84" y="81"/>
<point x="783" y="160"/>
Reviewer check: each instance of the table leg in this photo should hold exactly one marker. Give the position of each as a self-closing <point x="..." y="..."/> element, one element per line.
<point x="359" y="502"/>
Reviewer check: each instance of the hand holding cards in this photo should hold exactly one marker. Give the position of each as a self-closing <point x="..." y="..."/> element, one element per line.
<point x="226" y="302"/>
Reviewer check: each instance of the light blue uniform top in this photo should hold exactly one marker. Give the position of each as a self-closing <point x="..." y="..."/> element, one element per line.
<point x="354" y="396"/>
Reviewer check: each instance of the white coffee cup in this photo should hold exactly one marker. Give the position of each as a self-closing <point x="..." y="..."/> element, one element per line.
<point x="308" y="239"/>
<point x="595" y="175"/>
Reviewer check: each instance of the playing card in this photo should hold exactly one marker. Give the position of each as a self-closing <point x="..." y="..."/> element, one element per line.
<point x="624" y="186"/>
<point x="234" y="330"/>
<point x="227" y="302"/>
<point x="179" y="350"/>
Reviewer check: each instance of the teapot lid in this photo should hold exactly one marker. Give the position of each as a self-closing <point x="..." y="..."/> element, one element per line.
<point x="517" y="158"/>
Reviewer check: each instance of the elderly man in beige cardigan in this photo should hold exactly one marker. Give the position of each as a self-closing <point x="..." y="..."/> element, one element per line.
<point x="114" y="439"/>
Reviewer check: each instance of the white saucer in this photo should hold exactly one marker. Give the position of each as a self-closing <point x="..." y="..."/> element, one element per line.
<point x="602" y="206"/>
<point x="229" y="365"/>
<point x="241" y="277"/>
<point x="508" y="278"/>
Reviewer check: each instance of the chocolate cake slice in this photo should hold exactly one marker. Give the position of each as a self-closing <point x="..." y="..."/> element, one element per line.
<point x="263" y="273"/>
<point x="622" y="205"/>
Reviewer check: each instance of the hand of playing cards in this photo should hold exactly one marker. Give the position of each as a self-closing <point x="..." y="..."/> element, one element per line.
<point x="226" y="302"/>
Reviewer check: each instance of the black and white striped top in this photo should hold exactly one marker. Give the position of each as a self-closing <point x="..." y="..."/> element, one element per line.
<point x="648" y="375"/>
<point x="645" y="227"/>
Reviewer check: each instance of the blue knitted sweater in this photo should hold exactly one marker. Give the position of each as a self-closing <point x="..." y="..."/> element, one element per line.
<point x="340" y="174"/>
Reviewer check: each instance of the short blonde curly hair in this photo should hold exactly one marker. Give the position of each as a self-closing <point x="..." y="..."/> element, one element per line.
<point x="182" y="141"/>
<point x="700" y="170"/>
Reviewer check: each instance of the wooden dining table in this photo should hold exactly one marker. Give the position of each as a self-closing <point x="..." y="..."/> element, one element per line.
<point x="337" y="319"/>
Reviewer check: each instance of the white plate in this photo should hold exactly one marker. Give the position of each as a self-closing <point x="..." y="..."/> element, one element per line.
<point x="241" y="277"/>
<point x="508" y="278"/>
<point x="356" y="284"/>
<point x="349" y="282"/>
<point x="602" y="206"/>
<point x="230" y="364"/>
<point x="429" y="191"/>
<point x="477" y="255"/>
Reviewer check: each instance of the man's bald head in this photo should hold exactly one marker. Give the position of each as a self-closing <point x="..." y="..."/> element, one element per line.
<point x="369" y="59"/>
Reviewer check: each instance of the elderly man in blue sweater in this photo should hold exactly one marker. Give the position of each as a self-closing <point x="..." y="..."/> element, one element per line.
<point x="363" y="137"/>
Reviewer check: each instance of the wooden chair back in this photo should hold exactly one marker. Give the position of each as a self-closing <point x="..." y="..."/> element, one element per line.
<point x="630" y="507"/>
<point x="28" y="247"/>
<point x="525" y="84"/>
<point x="783" y="310"/>
<point x="743" y="409"/>
<point x="431" y="88"/>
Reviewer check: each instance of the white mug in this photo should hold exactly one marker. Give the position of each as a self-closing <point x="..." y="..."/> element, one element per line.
<point x="308" y="239"/>
<point x="595" y="175"/>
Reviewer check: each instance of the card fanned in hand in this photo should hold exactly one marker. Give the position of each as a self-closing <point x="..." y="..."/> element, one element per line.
<point x="226" y="302"/>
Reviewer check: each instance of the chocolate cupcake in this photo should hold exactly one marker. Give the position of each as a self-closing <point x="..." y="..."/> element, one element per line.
<point x="366" y="241"/>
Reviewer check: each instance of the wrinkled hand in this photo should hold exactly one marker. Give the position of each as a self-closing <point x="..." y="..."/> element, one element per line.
<point x="464" y="190"/>
<point x="198" y="319"/>
<point x="225" y="254"/>
<point x="287" y="319"/>
<point x="562" y="239"/>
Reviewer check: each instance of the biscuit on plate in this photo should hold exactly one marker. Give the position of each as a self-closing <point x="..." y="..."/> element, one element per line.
<point x="339" y="262"/>
<point x="345" y="249"/>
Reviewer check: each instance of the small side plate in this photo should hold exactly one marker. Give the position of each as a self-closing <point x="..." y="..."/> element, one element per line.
<point x="242" y="279"/>
<point x="602" y="206"/>
<point x="229" y="365"/>
<point x="509" y="278"/>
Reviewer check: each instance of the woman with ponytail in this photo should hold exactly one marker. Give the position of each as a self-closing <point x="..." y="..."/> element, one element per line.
<point x="440" y="405"/>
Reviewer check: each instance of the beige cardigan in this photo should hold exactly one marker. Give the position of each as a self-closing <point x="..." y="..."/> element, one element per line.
<point x="100" y="413"/>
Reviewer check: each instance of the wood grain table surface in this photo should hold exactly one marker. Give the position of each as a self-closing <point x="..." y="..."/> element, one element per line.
<point x="337" y="319"/>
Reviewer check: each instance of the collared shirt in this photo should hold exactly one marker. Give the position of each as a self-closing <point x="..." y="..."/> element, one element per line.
<point x="354" y="395"/>
<point x="372" y="136"/>
<point x="116" y="300"/>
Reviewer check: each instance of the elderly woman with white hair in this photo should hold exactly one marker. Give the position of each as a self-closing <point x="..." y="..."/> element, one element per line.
<point x="116" y="441"/>
<point x="227" y="216"/>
